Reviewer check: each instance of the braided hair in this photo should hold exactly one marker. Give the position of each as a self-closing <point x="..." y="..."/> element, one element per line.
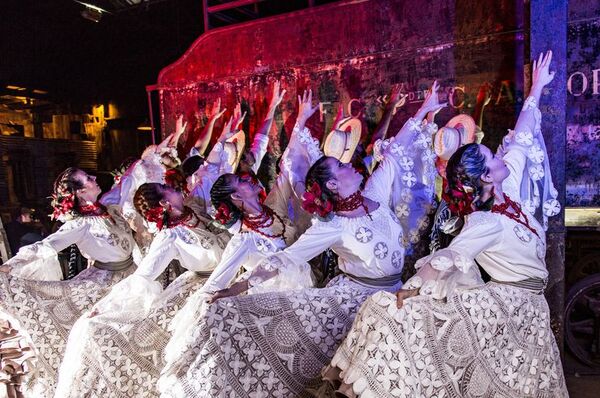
<point x="318" y="199"/>
<point x="465" y="188"/>
<point x="147" y="202"/>
<point x="65" y="203"/>
<point x="220" y="195"/>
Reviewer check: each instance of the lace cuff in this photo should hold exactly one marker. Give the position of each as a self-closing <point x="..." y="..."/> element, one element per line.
<point x="441" y="273"/>
<point x="38" y="261"/>
<point x="290" y="276"/>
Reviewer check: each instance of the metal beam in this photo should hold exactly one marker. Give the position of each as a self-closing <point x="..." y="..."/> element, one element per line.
<point x="231" y="4"/>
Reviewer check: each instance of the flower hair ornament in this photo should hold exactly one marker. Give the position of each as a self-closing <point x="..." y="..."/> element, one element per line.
<point x="157" y="215"/>
<point x="314" y="201"/>
<point x="223" y="214"/>
<point x="63" y="206"/>
<point x="460" y="200"/>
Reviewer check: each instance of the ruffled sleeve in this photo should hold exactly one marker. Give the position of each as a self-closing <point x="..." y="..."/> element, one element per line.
<point x="140" y="289"/>
<point x="259" y="150"/>
<point x="203" y="179"/>
<point x="524" y="152"/>
<point x="291" y="264"/>
<point x="234" y="257"/>
<point x="39" y="261"/>
<point x="285" y="197"/>
<point x="442" y="272"/>
<point x="405" y="177"/>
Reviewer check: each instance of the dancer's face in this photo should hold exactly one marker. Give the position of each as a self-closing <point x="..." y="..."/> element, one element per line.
<point x="171" y="197"/>
<point x="346" y="179"/>
<point x="245" y="189"/>
<point x="497" y="170"/>
<point x="89" y="190"/>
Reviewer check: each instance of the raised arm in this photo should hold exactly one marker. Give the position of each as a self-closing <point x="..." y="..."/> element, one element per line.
<point x="431" y="105"/>
<point x="261" y="138"/>
<point x="396" y="100"/>
<point x="204" y="139"/>
<point x="524" y="151"/>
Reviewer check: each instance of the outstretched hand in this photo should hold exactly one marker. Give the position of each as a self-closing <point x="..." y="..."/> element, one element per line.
<point x="397" y="99"/>
<point x="277" y="95"/>
<point x="5" y="268"/>
<point x="216" y="112"/>
<point x="402" y="295"/>
<point x="238" y="117"/>
<point x="306" y="110"/>
<point x="541" y="74"/>
<point x="432" y="102"/>
<point x="234" y="290"/>
<point x="180" y="127"/>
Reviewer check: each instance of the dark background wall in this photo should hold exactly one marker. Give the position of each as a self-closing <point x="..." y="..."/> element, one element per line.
<point x="353" y="52"/>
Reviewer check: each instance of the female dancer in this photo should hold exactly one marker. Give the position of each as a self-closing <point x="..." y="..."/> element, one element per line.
<point x="117" y="350"/>
<point x="46" y="310"/>
<point x="489" y="339"/>
<point x="275" y="344"/>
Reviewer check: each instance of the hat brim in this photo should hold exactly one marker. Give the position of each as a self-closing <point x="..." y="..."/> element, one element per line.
<point x="468" y="124"/>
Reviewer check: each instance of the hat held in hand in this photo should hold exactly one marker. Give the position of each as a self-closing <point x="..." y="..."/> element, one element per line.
<point x="234" y="147"/>
<point x="459" y="131"/>
<point x="342" y="142"/>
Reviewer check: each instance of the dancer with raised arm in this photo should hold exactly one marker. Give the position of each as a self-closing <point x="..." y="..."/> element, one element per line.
<point x="132" y="319"/>
<point x="275" y="344"/>
<point x="446" y="333"/>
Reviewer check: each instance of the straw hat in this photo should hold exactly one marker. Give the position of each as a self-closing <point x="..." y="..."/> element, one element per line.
<point x="234" y="147"/>
<point x="341" y="143"/>
<point x="459" y="131"/>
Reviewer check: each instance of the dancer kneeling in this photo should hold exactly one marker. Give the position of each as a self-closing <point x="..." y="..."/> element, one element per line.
<point x="275" y="344"/>
<point x="117" y="349"/>
<point x="45" y="310"/>
<point x="489" y="339"/>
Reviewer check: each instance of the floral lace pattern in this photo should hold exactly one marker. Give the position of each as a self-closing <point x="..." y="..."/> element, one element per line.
<point x="264" y="345"/>
<point x="122" y="355"/>
<point x="47" y="311"/>
<point x="491" y="341"/>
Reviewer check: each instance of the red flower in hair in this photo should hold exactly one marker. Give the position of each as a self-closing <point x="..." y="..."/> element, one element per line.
<point x="156" y="215"/>
<point x="460" y="200"/>
<point x="62" y="205"/>
<point x="314" y="202"/>
<point x="223" y="214"/>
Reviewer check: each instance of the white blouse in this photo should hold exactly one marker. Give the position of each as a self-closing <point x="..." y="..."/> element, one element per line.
<point x="506" y="249"/>
<point x="371" y="246"/>
<point x="99" y="238"/>
<point x="196" y="249"/>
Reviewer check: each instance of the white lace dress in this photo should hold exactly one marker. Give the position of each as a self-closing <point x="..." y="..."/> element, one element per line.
<point x="45" y="311"/>
<point x="275" y="344"/>
<point x="462" y="337"/>
<point x="119" y="352"/>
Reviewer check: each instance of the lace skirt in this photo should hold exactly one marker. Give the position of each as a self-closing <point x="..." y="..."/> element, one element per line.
<point x="264" y="345"/>
<point x="121" y="354"/>
<point x="493" y="341"/>
<point x="45" y="311"/>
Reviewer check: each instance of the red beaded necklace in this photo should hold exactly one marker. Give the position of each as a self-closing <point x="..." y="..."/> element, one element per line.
<point x="518" y="212"/>
<point x="351" y="203"/>
<point x="95" y="209"/>
<point x="184" y="219"/>
<point x="264" y="219"/>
